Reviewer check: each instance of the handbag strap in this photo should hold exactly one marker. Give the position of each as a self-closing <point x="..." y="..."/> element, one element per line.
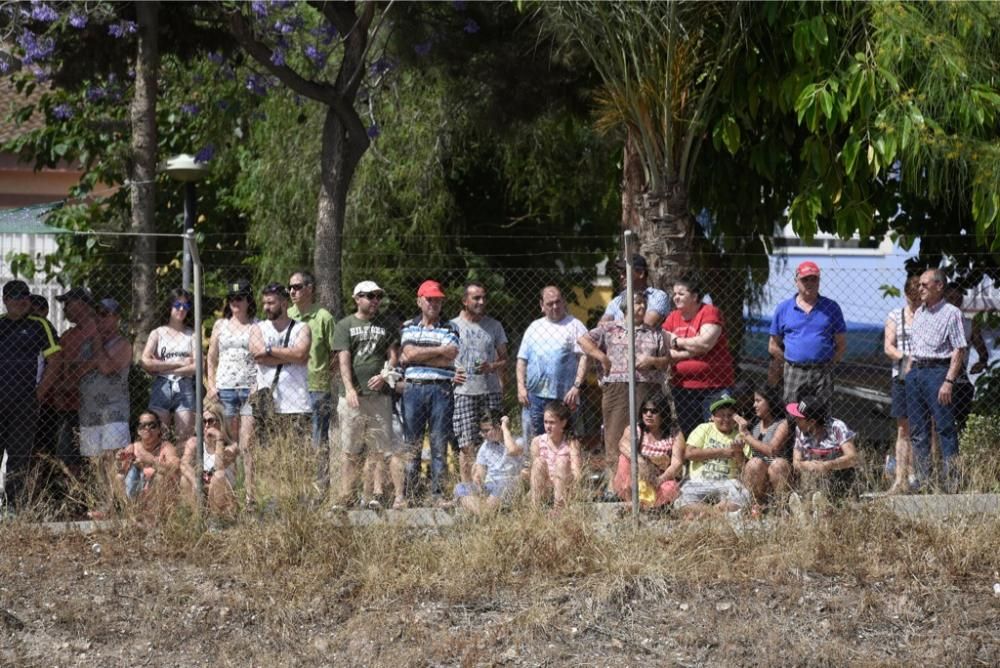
<point x="277" y="372"/>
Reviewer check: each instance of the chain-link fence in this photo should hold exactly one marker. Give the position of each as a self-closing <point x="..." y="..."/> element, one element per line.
<point x="94" y="393"/>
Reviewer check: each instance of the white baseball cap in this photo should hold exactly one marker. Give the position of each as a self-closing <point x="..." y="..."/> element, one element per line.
<point x="366" y="286"/>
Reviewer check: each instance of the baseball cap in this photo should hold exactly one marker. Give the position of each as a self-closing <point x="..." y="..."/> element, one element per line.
<point x="809" y="407"/>
<point x="16" y="289"/>
<point x="110" y="305"/>
<point x="368" y="286"/>
<point x="79" y="294"/>
<point x="807" y="268"/>
<point x="723" y="401"/>
<point x="638" y="262"/>
<point x="239" y="287"/>
<point x="430" y="289"/>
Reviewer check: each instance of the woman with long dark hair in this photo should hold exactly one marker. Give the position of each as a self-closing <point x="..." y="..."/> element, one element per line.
<point x="661" y="456"/>
<point x="169" y="358"/>
<point x="769" y="440"/>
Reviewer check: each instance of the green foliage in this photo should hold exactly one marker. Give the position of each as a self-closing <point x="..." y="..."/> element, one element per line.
<point x="978" y="446"/>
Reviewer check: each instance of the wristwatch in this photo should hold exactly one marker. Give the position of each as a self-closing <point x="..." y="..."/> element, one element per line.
<point x="578" y="385"/>
<point x="949" y="381"/>
<point x="267" y="349"/>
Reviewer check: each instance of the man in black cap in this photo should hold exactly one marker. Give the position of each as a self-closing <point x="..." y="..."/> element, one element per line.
<point x="657" y="302"/>
<point x="58" y="420"/>
<point x="23" y="337"/>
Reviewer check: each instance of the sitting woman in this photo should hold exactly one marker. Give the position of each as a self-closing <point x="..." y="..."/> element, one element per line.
<point x="768" y="447"/>
<point x="496" y="475"/>
<point x="149" y="466"/>
<point x="555" y="457"/>
<point x="824" y="454"/>
<point x="218" y="471"/>
<point x="661" y="456"/>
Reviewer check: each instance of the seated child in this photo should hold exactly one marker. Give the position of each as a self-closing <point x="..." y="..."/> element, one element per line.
<point x="496" y="472"/>
<point x="555" y="457"/>
<point x="824" y="455"/>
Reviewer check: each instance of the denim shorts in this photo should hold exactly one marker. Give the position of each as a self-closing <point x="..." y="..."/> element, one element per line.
<point x="172" y="396"/>
<point x="898" y="394"/>
<point x="235" y="401"/>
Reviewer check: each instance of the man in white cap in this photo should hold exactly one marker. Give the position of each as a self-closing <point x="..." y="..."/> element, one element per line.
<point x="367" y="349"/>
<point x="808" y="336"/>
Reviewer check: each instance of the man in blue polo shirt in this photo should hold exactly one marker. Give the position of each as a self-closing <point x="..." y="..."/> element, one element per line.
<point x="428" y="348"/>
<point x="808" y="335"/>
<point x="24" y="339"/>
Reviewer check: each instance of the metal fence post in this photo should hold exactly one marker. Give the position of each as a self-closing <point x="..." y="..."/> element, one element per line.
<point x="191" y="248"/>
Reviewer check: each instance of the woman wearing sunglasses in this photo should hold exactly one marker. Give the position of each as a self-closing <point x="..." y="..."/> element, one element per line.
<point x="232" y="372"/>
<point x="169" y="358"/>
<point x="149" y="465"/>
<point x="661" y="456"/>
<point x="219" y="470"/>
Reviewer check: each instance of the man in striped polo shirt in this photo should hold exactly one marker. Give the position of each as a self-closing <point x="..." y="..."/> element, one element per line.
<point x="429" y="346"/>
<point x="937" y="354"/>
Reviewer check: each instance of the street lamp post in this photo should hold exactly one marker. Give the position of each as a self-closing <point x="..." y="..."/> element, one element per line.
<point x="186" y="169"/>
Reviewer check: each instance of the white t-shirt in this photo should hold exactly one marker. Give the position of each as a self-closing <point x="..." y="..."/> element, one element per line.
<point x="292" y="393"/>
<point x="552" y="354"/>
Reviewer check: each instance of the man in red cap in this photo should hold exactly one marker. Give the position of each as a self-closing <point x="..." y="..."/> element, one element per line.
<point x="428" y="348"/>
<point x="808" y="335"/>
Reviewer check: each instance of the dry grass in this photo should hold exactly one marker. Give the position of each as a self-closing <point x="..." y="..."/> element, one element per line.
<point x="298" y="588"/>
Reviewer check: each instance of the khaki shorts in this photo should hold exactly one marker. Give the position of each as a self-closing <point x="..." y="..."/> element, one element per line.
<point x="368" y="424"/>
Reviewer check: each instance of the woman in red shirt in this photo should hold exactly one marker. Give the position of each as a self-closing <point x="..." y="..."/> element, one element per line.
<point x="703" y="366"/>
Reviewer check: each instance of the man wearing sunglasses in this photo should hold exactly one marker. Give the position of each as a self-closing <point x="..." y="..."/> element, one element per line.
<point x="365" y="343"/>
<point x="302" y="291"/>
<point x="24" y="339"/>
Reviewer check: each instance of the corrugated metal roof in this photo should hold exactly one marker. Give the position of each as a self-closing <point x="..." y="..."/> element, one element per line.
<point x="29" y="220"/>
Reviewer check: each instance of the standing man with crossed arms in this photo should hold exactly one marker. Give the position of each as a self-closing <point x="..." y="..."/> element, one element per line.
<point x="482" y="356"/>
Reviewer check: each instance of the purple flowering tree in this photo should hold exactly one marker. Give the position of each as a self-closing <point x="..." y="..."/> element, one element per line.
<point x="318" y="50"/>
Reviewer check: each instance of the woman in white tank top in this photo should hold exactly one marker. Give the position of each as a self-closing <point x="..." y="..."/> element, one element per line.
<point x="169" y="358"/>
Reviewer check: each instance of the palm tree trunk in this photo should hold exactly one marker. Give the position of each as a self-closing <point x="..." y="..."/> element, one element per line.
<point x="666" y="234"/>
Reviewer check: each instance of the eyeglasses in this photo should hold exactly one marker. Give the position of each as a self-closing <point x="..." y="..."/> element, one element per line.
<point x="371" y="296"/>
<point x="296" y="286"/>
<point x="210" y="420"/>
<point x="148" y="425"/>
<point x="647" y="410"/>
<point x="183" y="306"/>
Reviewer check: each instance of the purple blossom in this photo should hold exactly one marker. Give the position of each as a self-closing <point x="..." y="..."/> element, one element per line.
<point x="423" y="48"/>
<point x="44" y="13"/>
<point x="256" y="84"/>
<point x="94" y="94"/>
<point x="40" y="73"/>
<point x="4" y="66"/>
<point x="205" y="154"/>
<point x="315" y="55"/>
<point x="216" y="58"/>
<point x="35" y="48"/>
<point x="329" y="33"/>
<point x="63" y="112"/>
<point x="259" y="8"/>
<point x="381" y="66"/>
<point x="78" y="21"/>
<point x="190" y="109"/>
<point x="471" y="27"/>
<point x="278" y="57"/>
<point x="282" y="27"/>
<point x="374" y="131"/>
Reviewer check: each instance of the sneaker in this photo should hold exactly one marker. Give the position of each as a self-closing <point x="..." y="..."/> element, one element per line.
<point x="374" y="504"/>
<point x="820" y="504"/>
<point x="795" y="506"/>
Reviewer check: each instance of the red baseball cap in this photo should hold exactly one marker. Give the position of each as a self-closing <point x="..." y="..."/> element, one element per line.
<point x="430" y="289"/>
<point x="807" y="269"/>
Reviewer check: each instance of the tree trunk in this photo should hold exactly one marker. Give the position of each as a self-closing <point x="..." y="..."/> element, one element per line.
<point x="341" y="154"/>
<point x="143" y="176"/>
<point x="666" y="234"/>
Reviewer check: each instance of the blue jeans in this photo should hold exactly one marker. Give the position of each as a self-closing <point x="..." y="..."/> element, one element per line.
<point x="133" y="482"/>
<point x="427" y="404"/>
<point x="922" y="385"/>
<point x="322" y="409"/>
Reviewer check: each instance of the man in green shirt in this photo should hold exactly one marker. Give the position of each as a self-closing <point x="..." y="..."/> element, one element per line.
<point x="367" y="347"/>
<point x="302" y="290"/>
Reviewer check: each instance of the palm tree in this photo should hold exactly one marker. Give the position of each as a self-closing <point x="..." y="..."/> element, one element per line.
<point x="659" y="64"/>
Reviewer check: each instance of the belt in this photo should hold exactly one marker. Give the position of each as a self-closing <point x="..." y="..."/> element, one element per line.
<point x="428" y="381"/>
<point x="931" y="362"/>
<point x="809" y="365"/>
